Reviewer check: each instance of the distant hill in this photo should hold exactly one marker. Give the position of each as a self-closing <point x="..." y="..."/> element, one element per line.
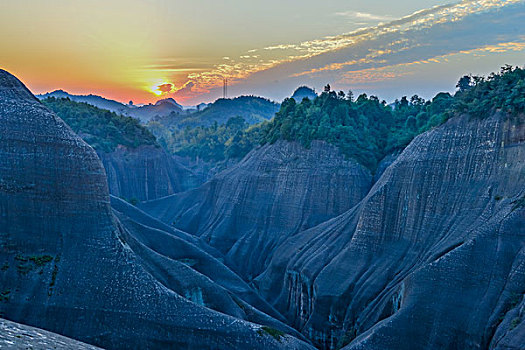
<point x="94" y="100"/>
<point x="104" y="130"/>
<point x="160" y="109"/>
<point x="303" y="91"/>
<point x="144" y="113"/>
<point x="137" y="168"/>
<point x="253" y="109"/>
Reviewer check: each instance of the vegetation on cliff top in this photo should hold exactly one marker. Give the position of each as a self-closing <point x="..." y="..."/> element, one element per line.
<point x="363" y="128"/>
<point x="102" y="129"/>
<point x="213" y="143"/>
<point x="366" y="129"/>
<point x="503" y="91"/>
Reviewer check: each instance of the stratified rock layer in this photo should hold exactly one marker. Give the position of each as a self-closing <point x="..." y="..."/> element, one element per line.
<point x="275" y="192"/>
<point x="432" y="258"/>
<point x="68" y="265"/>
<point x="145" y="173"/>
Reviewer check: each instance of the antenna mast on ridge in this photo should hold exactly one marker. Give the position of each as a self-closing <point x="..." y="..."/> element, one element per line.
<point x="225" y="87"/>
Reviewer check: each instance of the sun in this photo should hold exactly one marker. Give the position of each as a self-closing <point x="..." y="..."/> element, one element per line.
<point x="161" y="87"/>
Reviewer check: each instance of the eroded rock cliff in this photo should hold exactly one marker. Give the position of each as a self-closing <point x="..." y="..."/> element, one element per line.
<point x="145" y="173"/>
<point x="277" y="191"/>
<point x="432" y="258"/>
<point x="69" y="265"/>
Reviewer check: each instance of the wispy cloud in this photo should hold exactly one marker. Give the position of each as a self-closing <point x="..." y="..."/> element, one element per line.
<point x="356" y="15"/>
<point x="424" y="36"/>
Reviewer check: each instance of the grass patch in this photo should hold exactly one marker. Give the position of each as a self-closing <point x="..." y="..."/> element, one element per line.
<point x="515" y="299"/>
<point x="514" y="323"/>
<point x="133" y="201"/>
<point x="21" y="258"/>
<point x="27" y="264"/>
<point x="24" y="268"/>
<point x="41" y="260"/>
<point x="274" y="333"/>
<point x="4" y="296"/>
<point x="53" y="276"/>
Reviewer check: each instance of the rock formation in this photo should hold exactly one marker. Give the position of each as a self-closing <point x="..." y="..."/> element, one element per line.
<point x="18" y="336"/>
<point x="428" y="254"/>
<point x="69" y="265"/>
<point x="145" y="173"/>
<point x="275" y="192"/>
<point x="432" y="257"/>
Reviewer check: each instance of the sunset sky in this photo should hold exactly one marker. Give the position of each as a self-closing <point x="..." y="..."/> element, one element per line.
<point x="150" y="49"/>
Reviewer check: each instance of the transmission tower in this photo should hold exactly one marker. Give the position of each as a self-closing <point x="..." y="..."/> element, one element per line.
<point x="225" y="87"/>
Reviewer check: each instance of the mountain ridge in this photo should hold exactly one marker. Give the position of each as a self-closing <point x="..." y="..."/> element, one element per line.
<point x="144" y="113"/>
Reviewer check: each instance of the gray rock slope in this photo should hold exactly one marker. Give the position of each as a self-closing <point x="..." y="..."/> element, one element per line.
<point x="192" y="269"/>
<point x="432" y="258"/>
<point x="275" y="192"/>
<point x="68" y="264"/>
<point x="145" y="173"/>
<point x="19" y="336"/>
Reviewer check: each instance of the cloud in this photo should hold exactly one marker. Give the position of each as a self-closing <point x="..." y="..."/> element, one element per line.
<point x="363" y="16"/>
<point x="185" y="90"/>
<point x="165" y="88"/>
<point x="376" y="53"/>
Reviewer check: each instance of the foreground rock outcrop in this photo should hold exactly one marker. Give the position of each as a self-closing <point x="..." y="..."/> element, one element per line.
<point x="145" y="173"/>
<point x="275" y="192"/>
<point x="69" y="265"/>
<point x="18" y="336"/>
<point x="432" y="257"/>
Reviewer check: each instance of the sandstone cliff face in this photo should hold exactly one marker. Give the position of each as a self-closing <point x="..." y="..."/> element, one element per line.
<point x="69" y="265"/>
<point x="145" y="173"/>
<point x="432" y="258"/>
<point x="277" y="191"/>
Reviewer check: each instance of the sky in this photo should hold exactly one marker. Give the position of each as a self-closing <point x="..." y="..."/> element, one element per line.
<point x="151" y="49"/>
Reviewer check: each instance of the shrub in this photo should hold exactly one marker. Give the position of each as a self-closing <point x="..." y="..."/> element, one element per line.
<point x="275" y="333"/>
<point x="41" y="260"/>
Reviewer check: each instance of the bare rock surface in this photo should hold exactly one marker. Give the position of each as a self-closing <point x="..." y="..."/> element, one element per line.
<point x="277" y="191"/>
<point x="67" y="263"/>
<point x="145" y="173"/>
<point x="18" y="336"/>
<point x="432" y="258"/>
<point x="185" y="267"/>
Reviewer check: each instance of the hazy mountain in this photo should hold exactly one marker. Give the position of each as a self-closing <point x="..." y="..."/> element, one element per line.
<point x="94" y="100"/>
<point x="303" y="92"/>
<point x="253" y="109"/>
<point x="144" y="113"/>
